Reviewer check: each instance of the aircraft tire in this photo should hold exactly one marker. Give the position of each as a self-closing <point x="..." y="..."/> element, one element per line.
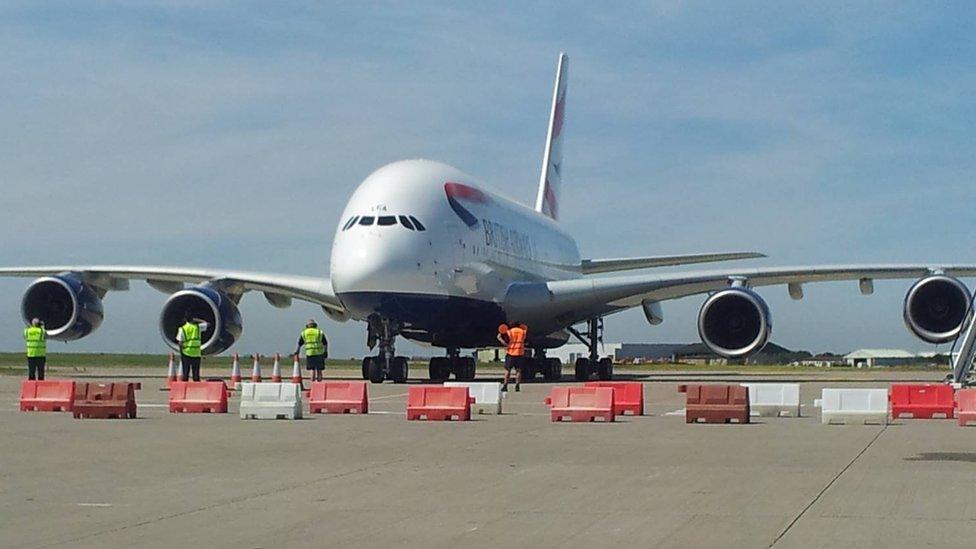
<point x="553" y="370"/>
<point x="365" y="367"/>
<point x="376" y="373"/>
<point x="583" y="369"/>
<point x="439" y="369"/>
<point x="399" y="369"/>
<point x="604" y="369"/>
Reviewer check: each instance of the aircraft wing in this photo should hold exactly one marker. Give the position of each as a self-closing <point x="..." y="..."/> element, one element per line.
<point x="596" y="266"/>
<point x="576" y="300"/>
<point x="278" y="289"/>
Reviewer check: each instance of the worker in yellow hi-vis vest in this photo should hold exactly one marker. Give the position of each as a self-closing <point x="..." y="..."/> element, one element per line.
<point x="35" y="338"/>
<point x="189" y="336"/>
<point x="316" y="349"/>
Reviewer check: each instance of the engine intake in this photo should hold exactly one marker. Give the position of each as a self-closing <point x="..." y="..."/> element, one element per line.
<point x="69" y="308"/>
<point x="735" y="323"/>
<point x="936" y="307"/>
<point x="221" y="314"/>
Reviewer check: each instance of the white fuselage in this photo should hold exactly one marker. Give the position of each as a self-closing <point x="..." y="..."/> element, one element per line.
<point x="474" y="245"/>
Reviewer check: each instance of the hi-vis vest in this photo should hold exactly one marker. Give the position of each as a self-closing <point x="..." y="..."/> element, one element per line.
<point x="313" y="342"/>
<point x="36" y="340"/>
<point x="190" y="346"/>
<point x="516" y="341"/>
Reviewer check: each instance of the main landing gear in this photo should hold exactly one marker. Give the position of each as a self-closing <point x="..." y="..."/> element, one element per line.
<point x="441" y="367"/>
<point x="593" y="364"/>
<point x="551" y="369"/>
<point x="385" y="365"/>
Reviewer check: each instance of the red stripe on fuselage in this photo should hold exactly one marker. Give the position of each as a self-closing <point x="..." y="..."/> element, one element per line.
<point x="464" y="192"/>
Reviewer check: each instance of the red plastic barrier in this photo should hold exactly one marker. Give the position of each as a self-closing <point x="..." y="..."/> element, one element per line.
<point x="716" y="403"/>
<point x="581" y="403"/>
<point x="436" y="402"/>
<point x="921" y="401"/>
<point x="338" y="397"/>
<point x="628" y="396"/>
<point x="198" y="397"/>
<point x="105" y="400"/>
<point x="965" y="406"/>
<point x="52" y="395"/>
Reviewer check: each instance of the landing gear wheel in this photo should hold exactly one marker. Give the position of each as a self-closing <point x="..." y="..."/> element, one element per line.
<point x="604" y="369"/>
<point x="439" y="369"/>
<point x="583" y="369"/>
<point x="553" y="370"/>
<point x="465" y="369"/>
<point x="365" y="367"/>
<point x="399" y="369"/>
<point x="376" y="373"/>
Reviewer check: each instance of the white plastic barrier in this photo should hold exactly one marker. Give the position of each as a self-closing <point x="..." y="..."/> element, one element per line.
<point x="772" y="399"/>
<point x="271" y="400"/>
<point x="854" y="406"/>
<point x="487" y="396"/>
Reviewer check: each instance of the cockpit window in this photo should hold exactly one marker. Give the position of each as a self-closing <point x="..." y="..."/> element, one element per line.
<point x="418" y="224"/>
<point x="366" y="220"/>
<point x="350" y="223"/>
<point x="406" y="222"/>
<point x="386" y="220"/>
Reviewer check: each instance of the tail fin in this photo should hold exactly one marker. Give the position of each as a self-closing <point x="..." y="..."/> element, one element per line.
<point x="550" y="181"/>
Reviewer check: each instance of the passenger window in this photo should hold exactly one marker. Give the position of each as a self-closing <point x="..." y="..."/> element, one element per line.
<point x="418" y="224"/>
<point x="386" y="220"/>
<point x="406" y="222"/>
<point x="366" y="220"/>
<point x="350" y="223"/>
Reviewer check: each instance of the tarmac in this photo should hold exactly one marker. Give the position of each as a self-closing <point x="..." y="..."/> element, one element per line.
<point x="515" y="480"/>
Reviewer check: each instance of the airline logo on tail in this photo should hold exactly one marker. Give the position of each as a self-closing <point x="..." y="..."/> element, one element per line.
<point x="550" y="182"/>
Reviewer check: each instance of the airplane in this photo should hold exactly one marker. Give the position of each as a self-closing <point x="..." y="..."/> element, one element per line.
<point x="426" y="252"/>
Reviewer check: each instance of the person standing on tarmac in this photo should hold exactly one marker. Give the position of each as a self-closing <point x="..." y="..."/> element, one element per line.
<point x="316" y="349"/>
<point x="513" y="337"/>
<point x="189" y="338"/>
<point x="35" y="338"/>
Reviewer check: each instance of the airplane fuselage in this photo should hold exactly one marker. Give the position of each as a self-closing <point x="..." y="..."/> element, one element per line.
<point x="444" y="278"/>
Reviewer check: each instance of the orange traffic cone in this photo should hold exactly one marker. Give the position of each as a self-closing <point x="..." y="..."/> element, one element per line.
<point x="256" y="371"/>
<point x="170" y="371"/>
<point x="276" y="369"/>
<point x="296" y="371"/>
<point x="235" y="373"/>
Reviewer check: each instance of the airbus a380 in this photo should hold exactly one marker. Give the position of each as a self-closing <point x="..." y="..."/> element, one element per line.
<point x="426" y="252"/>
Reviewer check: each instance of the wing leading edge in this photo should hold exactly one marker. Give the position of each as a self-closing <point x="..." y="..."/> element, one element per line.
<point x="577" y="300"/>
<point x="277" y="288"/>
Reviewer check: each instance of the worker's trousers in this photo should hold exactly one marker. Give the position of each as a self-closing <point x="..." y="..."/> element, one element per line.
<point x="190" y="364"/>
<point x="35" y="367"/>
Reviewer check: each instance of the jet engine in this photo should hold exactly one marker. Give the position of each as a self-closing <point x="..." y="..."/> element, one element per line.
<point x="735" y="323"/>
<point x="936" y="308"/>
<point x="206" y="303"/>
<point x="69" y="308"/>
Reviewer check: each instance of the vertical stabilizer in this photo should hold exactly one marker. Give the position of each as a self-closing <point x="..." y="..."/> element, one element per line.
<point x="550" y="182"/>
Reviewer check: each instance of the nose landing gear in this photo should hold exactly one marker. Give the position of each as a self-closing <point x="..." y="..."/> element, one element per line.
<point x="385" y="365"/>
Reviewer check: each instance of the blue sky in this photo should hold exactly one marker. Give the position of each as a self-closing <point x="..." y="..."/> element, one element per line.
<point x="814" y="132"/>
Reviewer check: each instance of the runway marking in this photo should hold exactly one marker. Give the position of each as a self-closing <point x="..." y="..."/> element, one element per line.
<point x="94" y="505"/>
<point x="388" y="396"/>
<point x="151" y="405"/>
<point x="679" y="412"/>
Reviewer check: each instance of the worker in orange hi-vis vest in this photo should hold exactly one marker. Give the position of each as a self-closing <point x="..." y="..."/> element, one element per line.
<point x="513" y="337"/>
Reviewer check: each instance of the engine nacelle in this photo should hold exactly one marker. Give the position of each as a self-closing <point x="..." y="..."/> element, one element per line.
<point x="936" y="307"/>
<point x="735" y="323"/>
<point x="221" y="314"/>
<point x="69" y="308"/>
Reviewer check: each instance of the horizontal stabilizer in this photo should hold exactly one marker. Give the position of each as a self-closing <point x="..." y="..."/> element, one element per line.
<point x="594" y="266"/>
